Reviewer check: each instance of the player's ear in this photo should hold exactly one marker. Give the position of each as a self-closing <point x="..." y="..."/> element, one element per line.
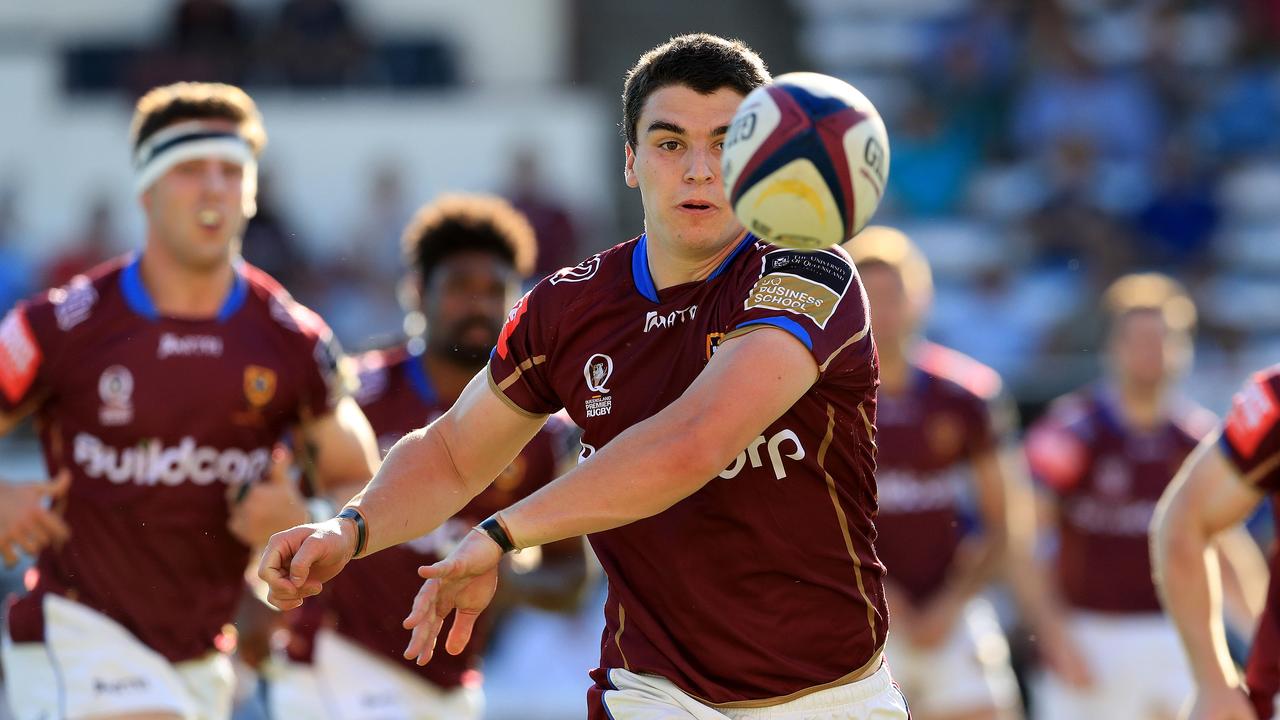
<point x="629" y="169"/>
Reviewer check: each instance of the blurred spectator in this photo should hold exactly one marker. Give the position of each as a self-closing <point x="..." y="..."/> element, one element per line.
<point x="16" y="271"/>
<point x="969" y="71"/>
<point x="1073" y="224"/>
<point x="551" y="220"/>
<point x="1176" y="226"/>
<point x="1072" y="97"/>
<point x="269" y="242"/>
<point x="315" y="44"/>
<point x="375" y="242"/>
<point x="933" y="160"/>
<point x="207" y="40"/>
<point x="1243" y="117"/>
<point x="95" y="244"/>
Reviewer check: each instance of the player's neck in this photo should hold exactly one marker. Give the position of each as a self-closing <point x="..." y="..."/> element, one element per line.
<point x="178" y="291"/>
<point x="670" y="265"/>
<point x="1143" y="406"/>
<point x="447" y="376"/>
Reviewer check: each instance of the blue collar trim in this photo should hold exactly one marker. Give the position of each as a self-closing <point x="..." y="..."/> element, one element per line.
<point x="644" y="279"/>
<point x="419" y="381"/>
<point x="640" y="270"/>
<point x="139" y="300"/>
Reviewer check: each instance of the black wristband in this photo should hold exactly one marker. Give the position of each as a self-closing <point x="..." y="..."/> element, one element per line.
<point x="362" y="531"/>
<point x="491" y="527"/>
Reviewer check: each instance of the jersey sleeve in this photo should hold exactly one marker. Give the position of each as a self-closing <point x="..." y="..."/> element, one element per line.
<point x="993" y="423"/>
<point x="1057" y="456"/>
<point x="328" y="375"/>
<point x="816" y="296"/>
<point x="1251" y="434"/>
<point x="518" y="366"/>
<point x="29" y="342"/>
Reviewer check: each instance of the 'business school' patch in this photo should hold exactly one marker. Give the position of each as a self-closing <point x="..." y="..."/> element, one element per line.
<point x="805" y="283"/>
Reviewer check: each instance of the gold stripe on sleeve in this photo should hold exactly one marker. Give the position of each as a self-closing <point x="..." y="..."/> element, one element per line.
<point x="856" y="338"/>
<point x="497" y="390"/>
<point x="515" y="375"/>
<point x="844" y="521"/>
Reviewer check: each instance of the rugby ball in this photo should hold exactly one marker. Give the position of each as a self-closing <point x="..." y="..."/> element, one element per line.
<point x="805" y="161"/>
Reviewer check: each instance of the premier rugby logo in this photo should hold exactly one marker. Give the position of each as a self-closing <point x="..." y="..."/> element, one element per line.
<point x="597" y="371"/>
<point x="115" y="388"/>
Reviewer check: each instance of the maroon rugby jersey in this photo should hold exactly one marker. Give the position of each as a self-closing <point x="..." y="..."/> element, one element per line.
<point x="927" y="437"/>
<point x="1107" y="478"/>
<point x="154" y="417"/>
<point x="1250" y="441"/>
<point x="764" y="582"/>
<point x="370" y="598"/>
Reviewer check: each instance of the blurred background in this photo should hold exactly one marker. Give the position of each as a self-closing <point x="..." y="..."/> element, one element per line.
<point x="1041" y="148"/>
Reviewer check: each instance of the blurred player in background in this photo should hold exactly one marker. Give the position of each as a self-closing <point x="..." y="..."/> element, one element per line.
<point x="941" y="422"/>
<point x="1102" y="456"/>
<point x="468" y="255"/>
<point x="160" y="383"/>
<point x="728" y="484"/>
<point x="1220" y="485"/>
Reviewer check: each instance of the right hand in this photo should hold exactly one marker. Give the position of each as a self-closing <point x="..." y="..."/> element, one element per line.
<point x="25" y="523"/>
<point x="1220" y="703"/>
<point x="1064" y="658"/>
<point x="297" y="562"/>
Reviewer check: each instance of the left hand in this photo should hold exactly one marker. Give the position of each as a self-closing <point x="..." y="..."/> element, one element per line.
<point x="465" y="580"/>
<point x="934" y="621"/>
<point x="266" y="507"/>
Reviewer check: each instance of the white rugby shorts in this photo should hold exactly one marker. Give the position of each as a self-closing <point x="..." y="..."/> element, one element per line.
<point x="90" y="665"/>
<point x="968" y="672"/>
<point x="1138" y="667"/>
<point x="348" y="682"/>
<point x="647" y="697"/>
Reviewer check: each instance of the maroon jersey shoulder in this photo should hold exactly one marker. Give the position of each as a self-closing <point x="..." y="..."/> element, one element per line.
<point x="816" y="296"/>
<point x="518" y="363"/>
<point x="35" y="332"/>
<point x="1251" y="433"/>
<point x="959" y="369"/>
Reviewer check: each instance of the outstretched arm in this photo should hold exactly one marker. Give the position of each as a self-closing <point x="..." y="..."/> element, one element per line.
<point x="750" y="382"/>
<point x="428" y="476"/>
<point x="1206" y="497"/>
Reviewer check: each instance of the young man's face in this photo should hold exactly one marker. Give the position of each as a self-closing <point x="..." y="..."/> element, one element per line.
<point x="465" y="302"/>
<point x="894" y="313"/>
<point x="1145" y="351"/>
<point x="676" y="164"/>
<point x="197" y="209"/>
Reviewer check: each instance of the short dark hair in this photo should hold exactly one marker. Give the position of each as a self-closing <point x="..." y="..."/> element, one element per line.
<point x="170" y="104"/>
<point x="704" y="63"/>
<point x="458" y="223"/>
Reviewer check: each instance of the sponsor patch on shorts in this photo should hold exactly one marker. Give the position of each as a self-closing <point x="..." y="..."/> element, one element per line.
<point x="804" y="283"/>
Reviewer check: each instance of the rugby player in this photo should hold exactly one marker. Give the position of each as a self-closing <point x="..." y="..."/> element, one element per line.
<point x="160" y="383"/>
<point x="1102" y="456"/>
<point x="468" y="254"/>
<point x="726" y="392"/>
<point x="942" y="423"/>
<point x="1219" y="486"/>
